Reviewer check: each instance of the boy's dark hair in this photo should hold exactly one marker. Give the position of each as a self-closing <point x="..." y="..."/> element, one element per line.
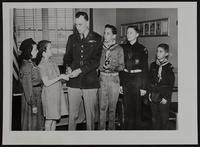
<point x="164" y="46"/>
<point x="42" y="47"/>
<point x="84" y="14"/>
<point x="113" y="28"/>
<point x="133" y="27"/>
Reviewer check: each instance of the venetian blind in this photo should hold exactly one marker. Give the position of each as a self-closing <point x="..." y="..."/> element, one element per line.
<point x="60" y="26"/>
<point x="28" y="24"/>
<point x="54" y="24"/>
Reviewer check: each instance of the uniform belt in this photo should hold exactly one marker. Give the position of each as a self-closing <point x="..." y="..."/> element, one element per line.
<point x="38" y="85"/>
<point x="109" y="73"/>
<point x="133" y="71"/>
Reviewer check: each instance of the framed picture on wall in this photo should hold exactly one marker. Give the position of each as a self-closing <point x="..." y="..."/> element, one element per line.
<point x="158" y="28"/>
<point x="164" y="27"/>
<point x="146" y="28"/>
<point x="140" y="28"/>
<point x="150" y="28"/>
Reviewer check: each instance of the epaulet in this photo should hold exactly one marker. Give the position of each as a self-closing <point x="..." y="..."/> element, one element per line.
<point x="73" y="35"/>
<point x="95" y="34"/>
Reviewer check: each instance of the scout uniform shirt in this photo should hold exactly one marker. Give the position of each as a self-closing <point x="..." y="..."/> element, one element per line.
<point x="161" y="79"/>
<point x="136" y="57"/>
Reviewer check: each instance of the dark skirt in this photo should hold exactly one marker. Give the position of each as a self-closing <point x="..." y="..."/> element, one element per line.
<point x="29" y="120"/>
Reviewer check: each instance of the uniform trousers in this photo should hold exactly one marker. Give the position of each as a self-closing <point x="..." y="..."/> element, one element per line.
<point x="132" y="100"/>
<point x="160" y="114"/>
<point x="108" y="97"/>
<point x="90" y="102"/>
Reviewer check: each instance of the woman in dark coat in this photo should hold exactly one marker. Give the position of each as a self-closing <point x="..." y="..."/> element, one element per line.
<point x="31" y="109"/>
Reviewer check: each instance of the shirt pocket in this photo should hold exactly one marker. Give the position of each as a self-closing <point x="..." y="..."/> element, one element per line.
<point x="90" y="45"/>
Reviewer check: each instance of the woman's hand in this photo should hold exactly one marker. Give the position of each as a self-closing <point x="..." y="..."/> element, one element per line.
<point x="34" y="110"/>
<point x="64" y="77"/>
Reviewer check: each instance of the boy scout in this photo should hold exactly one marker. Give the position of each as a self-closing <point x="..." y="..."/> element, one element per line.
<point x="134" y="79"/>
<point x="161" y="84"/>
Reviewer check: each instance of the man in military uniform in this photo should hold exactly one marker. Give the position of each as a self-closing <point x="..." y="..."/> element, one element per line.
<point x="81" y="60"/>
<point x="133" y="79"/>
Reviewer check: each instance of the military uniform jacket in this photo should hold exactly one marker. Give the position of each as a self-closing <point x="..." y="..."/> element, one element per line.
<point x="135" y="57"/>
<point x="84" y="54"/>
<point x="164" y="84"/>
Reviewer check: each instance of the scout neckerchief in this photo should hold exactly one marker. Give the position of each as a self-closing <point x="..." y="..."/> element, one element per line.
<point x="108" y="47"/>
<point x="161" y="64"/>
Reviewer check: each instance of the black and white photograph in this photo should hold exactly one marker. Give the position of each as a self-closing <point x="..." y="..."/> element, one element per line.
<point x="81" y="70"/>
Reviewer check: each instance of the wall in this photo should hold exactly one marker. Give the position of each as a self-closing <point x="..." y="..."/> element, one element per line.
<point x="142" y="14"/>
<point x="121" y="16"/>
<point x="101" y="17"/>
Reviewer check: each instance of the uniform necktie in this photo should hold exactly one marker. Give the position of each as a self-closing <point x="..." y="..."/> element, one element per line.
<point x="82" y="37"/>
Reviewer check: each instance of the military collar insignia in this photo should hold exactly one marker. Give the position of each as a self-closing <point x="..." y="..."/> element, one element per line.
<point x="92" y="41"/>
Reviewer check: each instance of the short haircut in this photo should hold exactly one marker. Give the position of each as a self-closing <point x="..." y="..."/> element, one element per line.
<point x="133" y="27"/>
<point x="113" y="28"/>
<point x="84" y="14"/>
<point x="164" y="46"/>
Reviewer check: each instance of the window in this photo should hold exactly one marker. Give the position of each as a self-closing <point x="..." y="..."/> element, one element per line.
<point x="28" y="24"/>
<point x="60" y="26"/>
<point x="54" y="24"/>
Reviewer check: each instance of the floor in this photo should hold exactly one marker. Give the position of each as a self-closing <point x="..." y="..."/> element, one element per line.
<point x="146" y="120"/>
<point x="82" y="126"/>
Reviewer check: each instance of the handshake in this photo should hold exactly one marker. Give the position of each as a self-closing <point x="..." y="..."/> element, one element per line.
<point x="70" y="74"/>
<point x="64" y="77"/>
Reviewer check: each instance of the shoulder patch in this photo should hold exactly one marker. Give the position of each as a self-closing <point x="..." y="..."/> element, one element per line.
<point x="171" y="66"/>
<point x="145" y="50"/>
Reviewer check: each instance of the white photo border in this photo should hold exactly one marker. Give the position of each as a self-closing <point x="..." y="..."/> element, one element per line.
<point x="187" y="82"/>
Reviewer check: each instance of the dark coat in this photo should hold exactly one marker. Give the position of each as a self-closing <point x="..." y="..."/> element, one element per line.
<point x="84" y="54"/>
<point x="31" y="82"/>
<point x="163" y="87"/>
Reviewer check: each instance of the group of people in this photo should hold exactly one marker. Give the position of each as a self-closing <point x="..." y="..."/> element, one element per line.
<point x="97" y="70"/>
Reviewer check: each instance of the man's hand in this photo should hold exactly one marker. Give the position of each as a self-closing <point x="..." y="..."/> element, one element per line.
<point x="75" y="73"/>
<point x="68" y="70"/>
<point x="164" y="101"/>
<point x="142" y="92"/>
